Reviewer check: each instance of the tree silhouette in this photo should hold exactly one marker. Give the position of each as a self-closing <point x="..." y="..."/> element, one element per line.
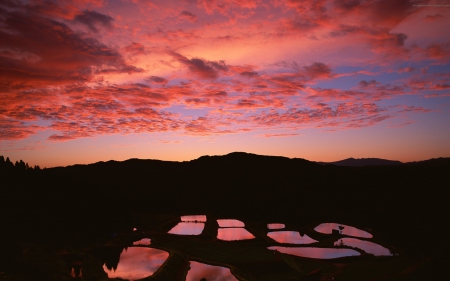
<point x="18" y="166"/>
<point x="8" y="162"/>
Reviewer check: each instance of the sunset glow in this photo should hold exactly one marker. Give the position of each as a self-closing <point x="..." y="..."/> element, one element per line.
<point x="88" y="81"/>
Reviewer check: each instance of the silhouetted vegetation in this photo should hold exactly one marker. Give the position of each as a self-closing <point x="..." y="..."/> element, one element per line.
<point x="19" y="166"/>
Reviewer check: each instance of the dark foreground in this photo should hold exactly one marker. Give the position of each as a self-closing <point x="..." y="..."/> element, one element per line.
<point x="51" y="214"/>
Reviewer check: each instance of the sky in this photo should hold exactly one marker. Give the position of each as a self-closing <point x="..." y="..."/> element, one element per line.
<point x="96" y="80"/>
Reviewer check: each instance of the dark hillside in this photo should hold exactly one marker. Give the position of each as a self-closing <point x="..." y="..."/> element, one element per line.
<point x="352" y="162"/>
<point x="409" y="203"/>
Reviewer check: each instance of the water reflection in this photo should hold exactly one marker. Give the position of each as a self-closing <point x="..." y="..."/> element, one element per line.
<point x="143" y="241"/>
<point x="366" y="246"/>
<point x="209" y="272"/>
<point x="76" y="270"/>
<point x="199" y="218"/>
<point x="275" y="226"/>
<point x="291" y="237"/>
<point x="232" y="234"/>
<point x="137" y="262"/>
<point x="188" y="228"/>
<point x="327" y="228"/>
<point x="316" y="253"/>
<point x="230" y="223"/>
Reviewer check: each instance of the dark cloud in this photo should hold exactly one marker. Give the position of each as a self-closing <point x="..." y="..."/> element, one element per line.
<point x="406" y="69"/>
<point x="157" y="80"/>
<point x="391" y="13"/>
<point x="249" y="73"/>
<point x="202" y="68"/>
<point x="384" y="13"/>
<point x="92" y="19"/>
<point x="188" y="16"/>
<point x="364" y="83"/>
<point x="246" y="103"/>
<point x="215" y="94"/>
<point x="347" y="5"/>
<point x="438" y="51"/>
<point x="135" y="49"/>
<point x="197" y="102"/>
<point x="317" y="70"/>
<point x="301" y="24"/>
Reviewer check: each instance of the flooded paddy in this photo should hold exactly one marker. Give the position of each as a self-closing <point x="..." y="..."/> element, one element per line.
<point x="193" y="218"/>
<point x="137" y="263"/>
<point x="188" y="228"/>
<point x="230" y="223"/>
<point x="290" y="237"/>
<point x="316" y="253"/>
<point x="143" y="241"/>
<point x="327" y="228"/>
<point x="276" y="226"/>
<point x="209" y="272"/>
<point x="245" y="250"/>
<point x="234" y="234"/>
<point x="366" y="246"/>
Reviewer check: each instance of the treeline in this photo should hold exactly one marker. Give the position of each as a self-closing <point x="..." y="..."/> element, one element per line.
<point x="19" y="166"/>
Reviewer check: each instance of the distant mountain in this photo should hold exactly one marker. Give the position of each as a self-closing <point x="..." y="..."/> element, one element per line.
<point x="431" y="162"/>
<point x="352" y="162"/>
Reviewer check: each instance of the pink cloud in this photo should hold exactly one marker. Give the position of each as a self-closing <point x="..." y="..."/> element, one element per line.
<point x="279" y="135"/>
<point x="60" y="63"/>
<point x="15" y="130"/>
<point x="38" y="51"/>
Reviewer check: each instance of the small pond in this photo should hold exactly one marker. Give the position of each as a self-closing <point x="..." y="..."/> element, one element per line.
<point x="327" y="228"/>
<point x="188" y="228"/>
<point x="143" y="241"/>
<point x="275" y="226"/>
<point x="233" y="234"/>
<point x="366" y="246"/>
<point x="209" y="272"/>
<point x="137" y="262"/>
<point x="316" y="253"/>
<point x="230" y="223"/>
<point x="194" y="218"/>
<point x="291" y="237"/>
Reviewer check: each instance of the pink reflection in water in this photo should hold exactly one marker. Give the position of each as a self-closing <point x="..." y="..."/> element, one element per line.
<point x="292" y="237"/>
<point x="347" y="230"/>
<point x="209" y="272"/>
<point x="275" y="226"/>
<point x="199" y="218"/>
<point x="137" y="262"/>
<point x="316" y="253"/>
<point x="366" y="246"/>
<point x="143" y="241"/>
<point x="234" y="233"/>
<point x="230" y="223"/>
<point x="188" y="228"/>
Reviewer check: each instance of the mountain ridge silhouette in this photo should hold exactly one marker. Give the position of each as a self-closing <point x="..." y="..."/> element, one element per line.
<point x="245" y="156"/>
